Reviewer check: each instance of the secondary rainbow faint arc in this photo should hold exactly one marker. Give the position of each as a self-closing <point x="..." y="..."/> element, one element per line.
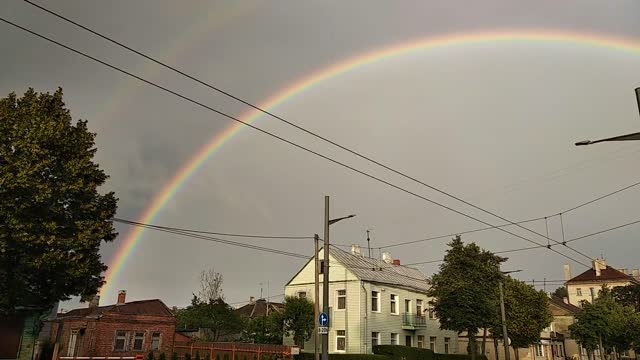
<point x="170" y="189"/>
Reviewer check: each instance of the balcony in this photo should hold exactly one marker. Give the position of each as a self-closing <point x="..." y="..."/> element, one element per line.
<point x="412" y="321"/>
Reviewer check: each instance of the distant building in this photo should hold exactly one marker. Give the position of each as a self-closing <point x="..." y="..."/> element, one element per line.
<point x="373" y="302"/>
<point x="122" y="329"/>
<point x="261" y="307"/>
<point x="585" y="287"/>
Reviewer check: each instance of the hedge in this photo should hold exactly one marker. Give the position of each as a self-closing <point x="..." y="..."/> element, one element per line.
<point x="458" y="357"/>
<point x="399" y="352"/>
<point x="311" y="356"/>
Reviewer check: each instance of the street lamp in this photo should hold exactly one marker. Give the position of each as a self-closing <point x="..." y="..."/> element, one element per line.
<point x="628" y="137"/>
<point x="325" y="279"/>
<point x="504" y="318"/>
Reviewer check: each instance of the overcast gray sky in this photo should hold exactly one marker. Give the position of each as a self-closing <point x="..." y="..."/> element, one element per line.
<point x="492" y="122"/>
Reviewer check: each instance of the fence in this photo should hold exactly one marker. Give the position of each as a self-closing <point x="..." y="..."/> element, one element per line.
<point x="232" y="351"/>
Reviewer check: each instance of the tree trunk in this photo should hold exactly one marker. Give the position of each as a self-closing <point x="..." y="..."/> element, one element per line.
<point x="472" y="344"/>
<point x="495" y="347"/>
<point x="484" y="341"/>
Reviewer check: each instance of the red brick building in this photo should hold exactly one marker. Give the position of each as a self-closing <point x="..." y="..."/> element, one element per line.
<point x="124" y="329"/>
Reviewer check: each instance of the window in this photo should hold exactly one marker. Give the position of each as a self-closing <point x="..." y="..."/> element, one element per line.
<point x="341" y="340"/>
<point x="578" y="291"/>
<point x="432" y="313"/>
<point x="561" y="351"/>
<point x="342" y="299"/>
<point x="72" y="343"/>
<point x="432" y="343"/>
<point x="121" y="341"/>
<point x="539" y="350"/>
<point x="302" y="294"/>
<point x="446" y="345"/>
<point x="375" y="338"/>
<point x="421" y="341"/>
<point x="138" y="340"/>
<point x="394" y="339"/>
<point x="321" y="267"/>
<point x="375" y="301"/>
<point x="407" y="340"/>
<point x="155" y="341"/>
<point x="394" y="304"/>
<point x="407" y="306"/>
<point x="419" y="307"/>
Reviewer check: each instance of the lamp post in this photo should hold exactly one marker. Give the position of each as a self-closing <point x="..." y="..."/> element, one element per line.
<point x="507" y="355"/>
<point x="628" y="137"/>
<point x="325" y="279"/>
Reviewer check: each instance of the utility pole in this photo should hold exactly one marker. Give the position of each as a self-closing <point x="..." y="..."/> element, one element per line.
<point x="507" y="356"/>
<point x="325" y="278"/>
<point x="316" y="306"/>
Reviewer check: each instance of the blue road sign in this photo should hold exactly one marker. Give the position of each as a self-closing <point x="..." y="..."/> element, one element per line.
<point x="323" y="319"/>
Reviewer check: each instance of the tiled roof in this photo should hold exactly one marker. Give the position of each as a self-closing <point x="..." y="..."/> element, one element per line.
<point x="561" y="304"/>
<point x="606" y="274"/>
<point x="258" y="308"/>
<point x="378" y="271"/>
<point x="144" y="307"/>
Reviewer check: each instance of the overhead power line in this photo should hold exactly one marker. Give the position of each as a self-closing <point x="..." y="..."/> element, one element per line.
<point x="131" y="222"/>
<point x="540" y="246"/>
<point x="314" y="134"/>
<point x="509" y="224"/>
<point x="219" y="112"/>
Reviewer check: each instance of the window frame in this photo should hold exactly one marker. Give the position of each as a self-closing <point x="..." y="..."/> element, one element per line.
<point x="395" y="339"/>
<point x="539" y="350"/>
<point x="393" y="302"/>
<point x="338" y="296"/>
<point x="377" y="301"/>
<point x="159" y="340"/>
<point x="447" y="343"/>
<point x="134" y="338"/>
<point x="578" y="291"/>
<point x="375" y="336"/>
<point x="125" y="342"/>
<point x="300" y="294"/>
<point x="419" y="306"/>
<point x="73" y="338"/>
<point x="407" y="306"/>
<point x="420" y="341"/>
<point x="338" y="337"/>
<point x="433" y="343"/>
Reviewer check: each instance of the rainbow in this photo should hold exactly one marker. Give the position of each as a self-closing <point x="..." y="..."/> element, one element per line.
<point x="171" y="188"/>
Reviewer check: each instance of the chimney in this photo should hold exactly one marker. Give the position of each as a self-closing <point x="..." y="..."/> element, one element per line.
<point x="122" y="297"/>
<point x="567" y="272"/>
<point x="598" y="266"/>
<point x="396" y="262"/>
<point x="252" y="300"/>
<point x="386" y="257"/>
<point x="635" y="273"/>
<point x="624" y="271"/>
<point x="355" y="250"/>
<point x="94" y="302"/>
<point x="565" y="300"/>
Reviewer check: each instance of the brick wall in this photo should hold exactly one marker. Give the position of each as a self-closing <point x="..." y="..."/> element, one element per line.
<point x="99" y="335"/>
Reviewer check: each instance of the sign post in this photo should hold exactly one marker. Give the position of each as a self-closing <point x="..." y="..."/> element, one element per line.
<point x="323" y="322"/>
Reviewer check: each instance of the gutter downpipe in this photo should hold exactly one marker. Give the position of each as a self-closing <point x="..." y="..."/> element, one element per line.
<point x="365" y="318"/>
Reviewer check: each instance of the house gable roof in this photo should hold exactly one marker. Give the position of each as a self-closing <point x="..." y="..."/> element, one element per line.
<point x="259" y="308"/>
<point x="378" y="271"/>
<point x="558" y="302"/>
<point x="606" y="274"/>
<point x="153" y="307"/>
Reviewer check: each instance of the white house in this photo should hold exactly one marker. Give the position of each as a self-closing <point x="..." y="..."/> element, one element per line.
<point x="373" y="302"/>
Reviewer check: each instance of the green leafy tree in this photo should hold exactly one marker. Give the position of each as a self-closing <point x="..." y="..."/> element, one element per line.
<point x="560" y="292"/>
<point x="628" y="295"/>
<point x="465" y="290"/>
<point x="265" y="329"/>
<point x="217" y="318"/>
<point x="52" y="217"/>
<point x="527" y="313"/>
<point x="298" y="319"/>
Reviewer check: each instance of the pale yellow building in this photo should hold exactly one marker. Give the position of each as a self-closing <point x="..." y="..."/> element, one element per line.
<point x="585" y="287"/>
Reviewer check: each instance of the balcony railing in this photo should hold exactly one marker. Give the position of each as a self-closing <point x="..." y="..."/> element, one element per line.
<point x="410" y="320"/>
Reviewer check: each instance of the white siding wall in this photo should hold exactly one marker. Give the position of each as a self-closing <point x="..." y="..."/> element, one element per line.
<point x="575" y="299"/>
<point x="358" y="320"/>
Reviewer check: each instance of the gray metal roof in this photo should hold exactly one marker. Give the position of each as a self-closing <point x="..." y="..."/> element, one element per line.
<point x="378" y="271"/>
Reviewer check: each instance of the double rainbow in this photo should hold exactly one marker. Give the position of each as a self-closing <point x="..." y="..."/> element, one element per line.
<point x="171" y="188"/>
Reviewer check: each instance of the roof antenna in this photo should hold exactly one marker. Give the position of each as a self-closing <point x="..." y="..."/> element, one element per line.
<point x="369" y="243"/>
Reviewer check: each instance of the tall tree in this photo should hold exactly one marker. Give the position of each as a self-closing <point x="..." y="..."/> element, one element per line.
<point x="527" y="313"/>
<point x="210" y="286"/>
<point x="298" y="319"/>
<point x="52" y="217"/>
<point x="560" y="292"/>
<point x="465" y="290"/>
<point x="628" y="295"/>
<point x="266" y="329"/>
<point x="216" y="318"/>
